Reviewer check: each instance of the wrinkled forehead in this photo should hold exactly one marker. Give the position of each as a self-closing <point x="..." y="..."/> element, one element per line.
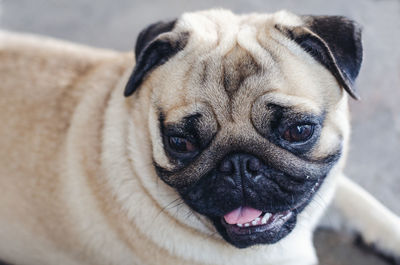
<point x="219" y="27"/>
<point x="231" y="61"/>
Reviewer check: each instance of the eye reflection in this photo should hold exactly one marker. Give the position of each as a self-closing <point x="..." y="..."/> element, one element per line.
<point x="298" y="133"/>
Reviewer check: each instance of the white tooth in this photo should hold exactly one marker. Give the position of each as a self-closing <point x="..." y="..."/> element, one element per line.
<point x="257" y="219"/>
<point x="240" y="225"/>
<point x="246" y="225"/>
<point x="265" y="218"/>
<point x="254" y="222"/>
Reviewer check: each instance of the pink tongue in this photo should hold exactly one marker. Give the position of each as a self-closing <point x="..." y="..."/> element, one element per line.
<point x="242" y="215"/>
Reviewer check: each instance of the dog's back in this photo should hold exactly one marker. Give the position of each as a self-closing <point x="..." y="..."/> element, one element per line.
<point x="42" y="82"/>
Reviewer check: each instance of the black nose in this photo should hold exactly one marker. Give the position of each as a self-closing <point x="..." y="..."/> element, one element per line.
<point x="240" y="165"/>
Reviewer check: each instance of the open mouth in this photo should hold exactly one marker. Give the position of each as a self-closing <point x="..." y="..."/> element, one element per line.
<point x="247" y="226"/>
<point x="250" y="220"/>
<point x="266" y="228"/>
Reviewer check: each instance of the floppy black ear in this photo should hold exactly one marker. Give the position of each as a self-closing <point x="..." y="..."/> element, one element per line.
<point x="335" y="42"/>
<point x="154" y="46"/>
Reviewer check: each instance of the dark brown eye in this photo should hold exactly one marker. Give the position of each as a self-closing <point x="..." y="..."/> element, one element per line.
<point x="298" y="133"/>
<point x="181" y="145"/>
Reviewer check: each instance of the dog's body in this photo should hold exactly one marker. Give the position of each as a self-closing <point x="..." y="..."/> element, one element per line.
<point x="81" y="164"/>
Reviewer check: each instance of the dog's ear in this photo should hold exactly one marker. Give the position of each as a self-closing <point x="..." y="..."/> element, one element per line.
<point x="154" y="46"/>
<point x="335" y="42"/>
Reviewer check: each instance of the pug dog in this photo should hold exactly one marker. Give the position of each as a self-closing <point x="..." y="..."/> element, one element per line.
<point x="226" y="149"/>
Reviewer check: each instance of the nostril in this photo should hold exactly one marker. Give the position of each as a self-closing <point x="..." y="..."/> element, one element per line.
<point x="253" y="165"/>
<point x="226" y="166"/>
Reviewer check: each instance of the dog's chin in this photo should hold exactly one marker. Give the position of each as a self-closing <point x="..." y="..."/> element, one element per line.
<point x="269" y="229"/>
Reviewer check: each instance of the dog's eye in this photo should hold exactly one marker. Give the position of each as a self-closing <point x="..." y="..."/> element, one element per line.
<point x="181" y="145"/>
<point x="298" y="133"/>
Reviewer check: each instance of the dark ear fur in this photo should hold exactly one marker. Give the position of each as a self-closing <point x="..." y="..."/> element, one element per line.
<point x="150" y="33"/>
<point x="335" y="42"/>
<point x="153" y="48"/>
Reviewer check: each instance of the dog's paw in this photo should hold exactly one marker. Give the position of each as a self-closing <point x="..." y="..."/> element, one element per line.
<point x="390" y="258"/>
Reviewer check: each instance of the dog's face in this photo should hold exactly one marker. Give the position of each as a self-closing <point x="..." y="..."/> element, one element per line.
<point x="247" y="113"/>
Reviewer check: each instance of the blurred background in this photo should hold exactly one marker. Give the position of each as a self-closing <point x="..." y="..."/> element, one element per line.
<point x="374" y="158"/>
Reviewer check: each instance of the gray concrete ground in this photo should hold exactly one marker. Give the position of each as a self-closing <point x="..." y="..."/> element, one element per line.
<point x="374" y="159"/>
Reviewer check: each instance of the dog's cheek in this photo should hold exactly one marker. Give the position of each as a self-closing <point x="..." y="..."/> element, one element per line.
<point x="159" y="156"/>
<point x="335" y="132"/>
